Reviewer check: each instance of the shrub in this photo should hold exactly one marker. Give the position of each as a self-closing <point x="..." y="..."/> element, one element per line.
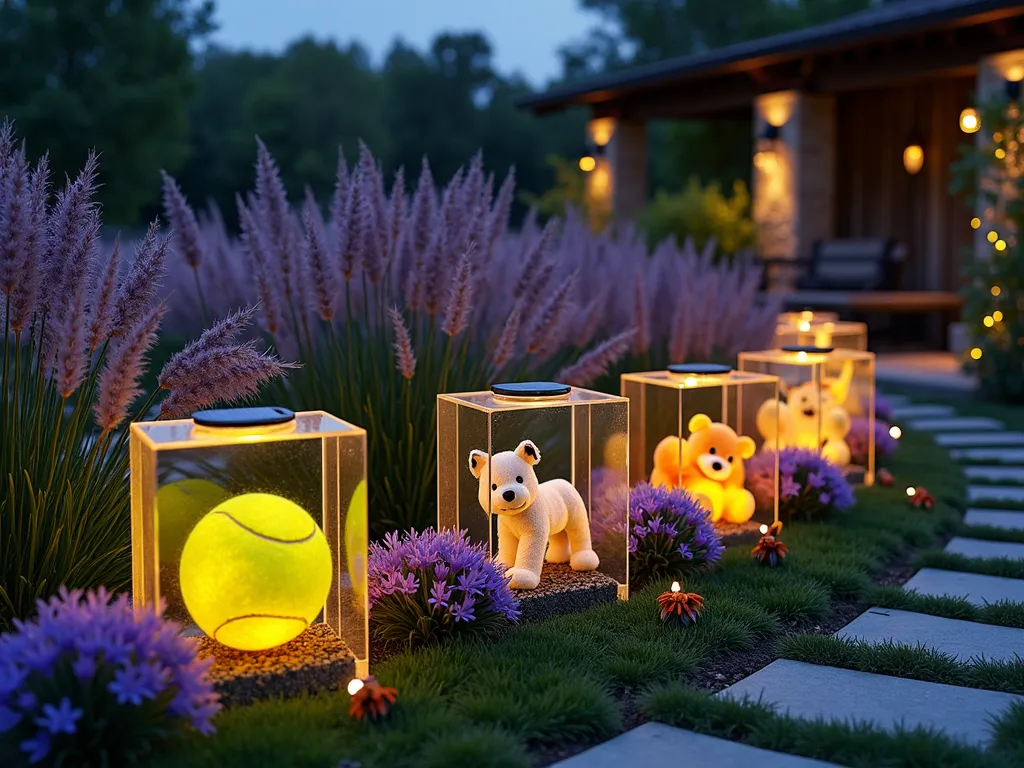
<point x="809" y="486"/>
<point x="703" y="214"/>
<point x="91" y="682"/>
<point x="77" y="327"/>
<point x="672" y="536"/>
<point x="395" y="298"/>
<point x="857" y="439"/>
<point x="430" y="587"/>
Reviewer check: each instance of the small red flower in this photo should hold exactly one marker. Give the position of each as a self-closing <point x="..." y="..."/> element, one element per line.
<point x="885" y="478"/>
<point x="371" y="699"/>
<point x="770" y="550"/>
<point x="678" y="607"/>
<point x="922" y="499"/>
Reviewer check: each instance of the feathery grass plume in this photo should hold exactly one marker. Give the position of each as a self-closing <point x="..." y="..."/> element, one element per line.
<point x="533" y="260"/>
<point x="641" y="315"/>
<point x="460" y="296"/>
<point x="424" y="210"/>
<point x="71" y="346"/>
<point x="434" y="272"/>
<point x="406" y="358"/>
<point x="252" y="241"/>
<point x="22" y="301"/>
<point x="14" y="221"/>
<point x="183" y="221"/>
<point x="498" y="224"/>
<point x="321" y="269"/>
<point x="396" y="210"/>
<point x="141" y="282"/>
<point x="373" y="226"/>
<point x="506" y="345"/>
<point x="596" y="362"/>
<point x="104" y="291"/>
<point x="549" y="323"/>
<point x="340" y="196"/>
<point x="350" y="239"/>
<point x="272" y="204"/>
<point x="119" y="381"/>
<point x="223" y="333"/>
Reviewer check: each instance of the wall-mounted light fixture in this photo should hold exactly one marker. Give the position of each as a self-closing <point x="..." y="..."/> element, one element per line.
<point x="1013" y="89"/>
<point x="591" y="154"/>
<point x="766" y="158"/>
<point x="970" y="121"/>
<point x="913" y="155"/>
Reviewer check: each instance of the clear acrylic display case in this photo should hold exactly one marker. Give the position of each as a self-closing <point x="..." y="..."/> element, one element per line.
<point x="581" y="437"/>
<point x="827" y="393"/>
<point x="820" y="329"/>
<point x="309" y="463"/>
<point x="671" y="445"/>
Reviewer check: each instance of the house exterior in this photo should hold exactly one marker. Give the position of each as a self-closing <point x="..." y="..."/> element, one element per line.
<point x="856" y="121"/>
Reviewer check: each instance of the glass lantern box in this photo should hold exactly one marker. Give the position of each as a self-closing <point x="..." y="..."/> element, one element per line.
<point x="693" y="426"/>
<point x="251" y="523"/>
<point x="829" y="403"/>
<point x="820" y="329"/>
<point x="538" y="472"/>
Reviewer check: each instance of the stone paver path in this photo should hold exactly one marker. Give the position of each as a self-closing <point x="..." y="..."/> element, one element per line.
<point x="922" y="411"/>
<point x="996" y="492"/>
<point x="812" y="691"/>
<point x="996" y="473"/>
<point x="976" y="588"/>
<point x="1002" y="455"/>
<point x="654" y="745"/>
<point x="985" y="549"/>
<point x="965" y="439"/>
<point x="964" y="640"/>
<point x="954" y="424"/>
<point x="997" y="518"/>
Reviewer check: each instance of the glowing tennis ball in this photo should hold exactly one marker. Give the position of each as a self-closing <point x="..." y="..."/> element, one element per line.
<point x="255" y="572"/>
<point x="179" y="506"/>
<point x="357" y="539"/>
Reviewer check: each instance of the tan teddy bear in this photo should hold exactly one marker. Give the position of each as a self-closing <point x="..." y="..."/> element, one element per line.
<point x="710" y="466"/>
<point x="532" y="516"/>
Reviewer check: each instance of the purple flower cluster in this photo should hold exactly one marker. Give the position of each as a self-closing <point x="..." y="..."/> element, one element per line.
<point x="857" y="439"/>
<point x="430" y="586"/>
<point x="809" y="486"/>
<point x="89" y="675"/>
<point x="883" y="409"/>
<point x="671" y="534"/>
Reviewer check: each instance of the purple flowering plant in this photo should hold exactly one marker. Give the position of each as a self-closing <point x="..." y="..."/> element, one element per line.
<point x="809" y="486"/>
<point x="428" y="587"/>
<point x="90" y="681"/>
<point x="857" y="439"/>
<point x="671" y="535"/>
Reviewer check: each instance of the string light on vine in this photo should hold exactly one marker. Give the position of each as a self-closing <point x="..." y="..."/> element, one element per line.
<point x="992" y="236"/>
<point x="1000" y="245"/>
<point x="996" y="290"/>
<point x="1000" y="153"/>
<point x="997" y="316"/>
<point x="976" y="353"/>
<point x="988" y="321"/>
<point x="975" y="223"/>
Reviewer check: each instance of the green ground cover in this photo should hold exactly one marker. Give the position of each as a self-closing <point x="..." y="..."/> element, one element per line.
<point x="543" y="691"/>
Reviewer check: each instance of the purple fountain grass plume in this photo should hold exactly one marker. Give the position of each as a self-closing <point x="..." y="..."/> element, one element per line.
<point x="590" y="318"/>
<point x="274" y="217"/>
<point x="424" y="210"/>
<point x="396" y="211"/>
<point x="550" y="321"/>
<point x="371" y="227"/>
<point x="71" y="344"/>
<point x="183" y="222"/>
<point x="26" y="290"/>
<point x="119" y="380"/>
<point x="15" y="216"/>
<point x="252" y="240"/>
<point x="221" y="375"/>
<point x="349" y="239"/>
<point x="104" y="292"/>
<point x="223" y="333"/>
<point x="460" y="296"/>
<point x="596" y="363"/>
<point x="322" y="270"/>
<point x="406" y="358"/>
<point x="433" y="272"/>
<point x="532" y="262"/>
<point x="340" y="197"/>
<point x="641" y="315"/>
<point x="140" y="283"/>
<point x="502" y="209"/>
<point x="506" y="346"/>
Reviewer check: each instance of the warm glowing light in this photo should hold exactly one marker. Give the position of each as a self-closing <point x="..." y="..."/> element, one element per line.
<point x="997" y="136"/>
<point x="675" y="586"/>
<point x="1015" y="73"/>
<point x="996" y="290"/>
<point x="1000" y="245"/>
<point x="969" y="120"/>
<point x="992" y="236"/>
<point x="975" y="223"/>
<point x="587" y="163"/>
<point x="766" y="161"/>
<point x="763" y="529"/>
<point x="801" y="356"/>
<point x="913" y="159"/>
<point x="988" y="321"/>
<point x="601" y="130"/>
<point x="690" y="381"/>
<point x="1000" y="153"/>
<point x="997" y="316"/>
<point x="895" y="432"/>
<point x="976" y="353"/>
<point x="911" y="490"/>
<point x="804" y="326"/>
<point x="355" y="685"/>
<point x="807" y="315"/>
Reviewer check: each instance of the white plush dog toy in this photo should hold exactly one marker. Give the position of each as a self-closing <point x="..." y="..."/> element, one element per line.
<point x="532" y="515"/>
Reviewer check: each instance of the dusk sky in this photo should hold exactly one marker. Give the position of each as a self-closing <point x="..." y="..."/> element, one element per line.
<point x="525" y="34"/>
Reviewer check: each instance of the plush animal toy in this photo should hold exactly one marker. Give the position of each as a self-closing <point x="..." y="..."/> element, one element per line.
<point x="710" y="465"/>
<point x="532" y="516"/>
<point x="812" y="417"/>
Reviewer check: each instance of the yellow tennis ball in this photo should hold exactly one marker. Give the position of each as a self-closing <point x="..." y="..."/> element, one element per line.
<point x="255" y="572"/>
<point x="179" y="506"/>
<point x="357" y="539"/>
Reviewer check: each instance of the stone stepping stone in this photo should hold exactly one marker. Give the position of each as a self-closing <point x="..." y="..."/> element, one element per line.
<point x="965" y="439"/>
<point x="922" y="411"/>
<point x="656" y="745"/>
<point x="996" y="473"/>
<point x="955" y="423"/>
<point x="997" y="492"/>
<point x="997" y="518"/>
<point x="967" y="641"/>
<point x="811" y="691"/>
<point x="978" y="589"/>
<point x="1004" y="455"/>
<point x="989" y="550"/>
